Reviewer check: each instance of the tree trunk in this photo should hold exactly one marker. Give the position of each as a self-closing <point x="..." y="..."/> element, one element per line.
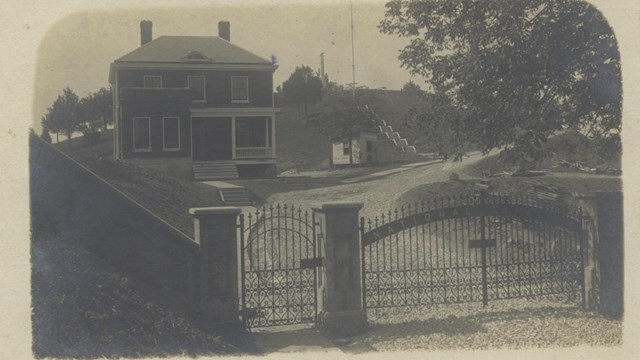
<point x="57" y="140"/>
<point x="350" y="151"/>
<point x="69" y="138"/>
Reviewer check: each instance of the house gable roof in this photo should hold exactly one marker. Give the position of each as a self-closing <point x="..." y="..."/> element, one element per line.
<point x="181" y="49"/>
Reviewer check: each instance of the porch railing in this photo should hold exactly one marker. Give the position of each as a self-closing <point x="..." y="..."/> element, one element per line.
<point x="253" y="152"/>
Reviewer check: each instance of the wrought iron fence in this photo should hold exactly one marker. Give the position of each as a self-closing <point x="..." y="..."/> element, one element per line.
<point x="276" y="289"/>
<point x="474" y="247"/>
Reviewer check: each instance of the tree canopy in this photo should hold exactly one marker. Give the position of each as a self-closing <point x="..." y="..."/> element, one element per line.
<point x="302" y="87"/>
<point x="63" y="115"/>
<point x="97" y="106"/>
<point x="340" y="115"/>
<point x="519" y="70"/>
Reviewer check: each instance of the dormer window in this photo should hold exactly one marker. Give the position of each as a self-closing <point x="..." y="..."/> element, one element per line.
<point x="152" y="81"/>
<point x="196" y="56"/>
<point x="197" y="85"/>
<point x="239" y="89"/>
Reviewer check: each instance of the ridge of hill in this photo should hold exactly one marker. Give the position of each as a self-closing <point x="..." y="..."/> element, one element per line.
<point x="301" y="146"/>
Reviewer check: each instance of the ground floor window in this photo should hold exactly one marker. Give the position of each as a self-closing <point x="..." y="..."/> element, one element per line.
<point x="253" y="131"/>
<point x="141" y="134"/>
<point x="171" y="133"/>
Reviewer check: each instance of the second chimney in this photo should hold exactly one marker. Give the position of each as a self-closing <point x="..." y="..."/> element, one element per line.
<point x="146" y="34"/>
<point x="224" y="30"/>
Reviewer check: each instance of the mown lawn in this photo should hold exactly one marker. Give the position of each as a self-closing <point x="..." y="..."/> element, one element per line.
<point x="169" y="197"/>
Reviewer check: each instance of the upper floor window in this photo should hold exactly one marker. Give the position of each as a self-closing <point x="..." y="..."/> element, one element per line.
<point x="239" y="88"/>
<point x="152" y="81"/>
<point x="197" y="86"/>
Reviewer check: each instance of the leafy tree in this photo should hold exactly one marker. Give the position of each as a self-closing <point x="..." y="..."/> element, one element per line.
<point x="411" y="87"/>
<point x="521" y="70"/>
<point x="340" y="115"/>
<point x="302" y="87"/>
<point x="97" y="106"/>
<point x="437" y="119"/>
<point x="62" y="116"/>
<point x="45" y="135"/>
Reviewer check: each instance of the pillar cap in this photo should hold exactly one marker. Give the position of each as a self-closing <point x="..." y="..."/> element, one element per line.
<point x="340" y="206"/>
<point x="220" y="210"/>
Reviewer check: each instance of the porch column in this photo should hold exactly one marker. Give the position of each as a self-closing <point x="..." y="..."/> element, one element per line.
<point x="233" y="137"/>
<point x="343" y="313"/>
<point x="273" y="136"/>
<point x="216" y="232"/>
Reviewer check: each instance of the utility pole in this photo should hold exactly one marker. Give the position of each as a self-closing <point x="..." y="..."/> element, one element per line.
<point x="353" y="60"/>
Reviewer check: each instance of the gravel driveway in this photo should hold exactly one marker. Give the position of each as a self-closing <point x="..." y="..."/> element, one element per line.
<point x="509" y="324"/>
<point x="378" y="195"/>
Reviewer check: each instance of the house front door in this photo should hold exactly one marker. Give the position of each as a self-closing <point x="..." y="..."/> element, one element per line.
<point x="211" y="138"/>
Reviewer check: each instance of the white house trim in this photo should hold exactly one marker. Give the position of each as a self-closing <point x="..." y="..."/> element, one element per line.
<point x="115" y="66"/>
<point x="252" y="111"/>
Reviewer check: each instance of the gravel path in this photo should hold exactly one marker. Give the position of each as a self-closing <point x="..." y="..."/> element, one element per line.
<point x="507" y="324"/>
<point x="378" y="195"/>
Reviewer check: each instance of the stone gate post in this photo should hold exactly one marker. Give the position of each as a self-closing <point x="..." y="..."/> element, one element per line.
<point x="216" y="232"/>
<point x="610" y="252"/>
<point x="342" y="314"/>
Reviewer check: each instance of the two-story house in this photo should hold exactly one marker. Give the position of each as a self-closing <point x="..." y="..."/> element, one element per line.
<point x="195" y="97"/>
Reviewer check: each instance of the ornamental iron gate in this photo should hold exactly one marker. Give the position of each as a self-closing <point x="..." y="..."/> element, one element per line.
<point x="278" y="285"/>
<point x="475" y="247"/>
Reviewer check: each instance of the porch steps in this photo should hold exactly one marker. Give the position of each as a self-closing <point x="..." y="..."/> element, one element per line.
<point x="214" y="170"/>
<point x="236" y="196"/>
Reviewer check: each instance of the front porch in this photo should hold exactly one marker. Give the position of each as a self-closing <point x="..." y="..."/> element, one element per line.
<point x="233" y="134"/>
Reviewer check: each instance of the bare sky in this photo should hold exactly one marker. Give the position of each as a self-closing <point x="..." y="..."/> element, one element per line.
<point x="77" y="51"/>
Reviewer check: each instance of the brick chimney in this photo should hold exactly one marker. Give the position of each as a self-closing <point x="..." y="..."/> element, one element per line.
<point x="146" y="33"/>
<point x="224" y="30"/>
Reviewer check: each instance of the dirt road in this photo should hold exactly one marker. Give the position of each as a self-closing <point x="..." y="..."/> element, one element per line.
<point x="378" y="195"/>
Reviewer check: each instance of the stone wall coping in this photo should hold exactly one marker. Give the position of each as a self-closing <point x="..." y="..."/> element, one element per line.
<point x="339" y="206"/>
<point x="220" y="210"/>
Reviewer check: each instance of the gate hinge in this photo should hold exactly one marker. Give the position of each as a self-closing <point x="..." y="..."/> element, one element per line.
<point x="311" y="263"/>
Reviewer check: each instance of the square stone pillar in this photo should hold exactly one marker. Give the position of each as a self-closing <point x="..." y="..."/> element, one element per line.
<point x="216" y="232"/>
<point x="342" y="314"/>
<point x="611" y="253"/>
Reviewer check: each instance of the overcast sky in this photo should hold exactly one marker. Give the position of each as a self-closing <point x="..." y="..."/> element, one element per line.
<point x="77" y="51"/>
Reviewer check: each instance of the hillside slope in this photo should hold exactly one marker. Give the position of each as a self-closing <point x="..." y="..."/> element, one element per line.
<point x="301" y="146"/>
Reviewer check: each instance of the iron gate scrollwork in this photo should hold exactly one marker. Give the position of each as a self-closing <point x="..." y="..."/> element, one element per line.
<point x="474" y="247"/>
<point x="277" y="287"/>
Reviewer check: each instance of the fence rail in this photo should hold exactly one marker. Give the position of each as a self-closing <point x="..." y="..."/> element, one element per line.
<point x="253" y="152"/>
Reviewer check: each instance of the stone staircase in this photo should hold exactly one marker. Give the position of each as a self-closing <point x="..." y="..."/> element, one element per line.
<point x="236" y="196"/>
<point x="391" y="146"/>
<point x="214" y="170"/>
